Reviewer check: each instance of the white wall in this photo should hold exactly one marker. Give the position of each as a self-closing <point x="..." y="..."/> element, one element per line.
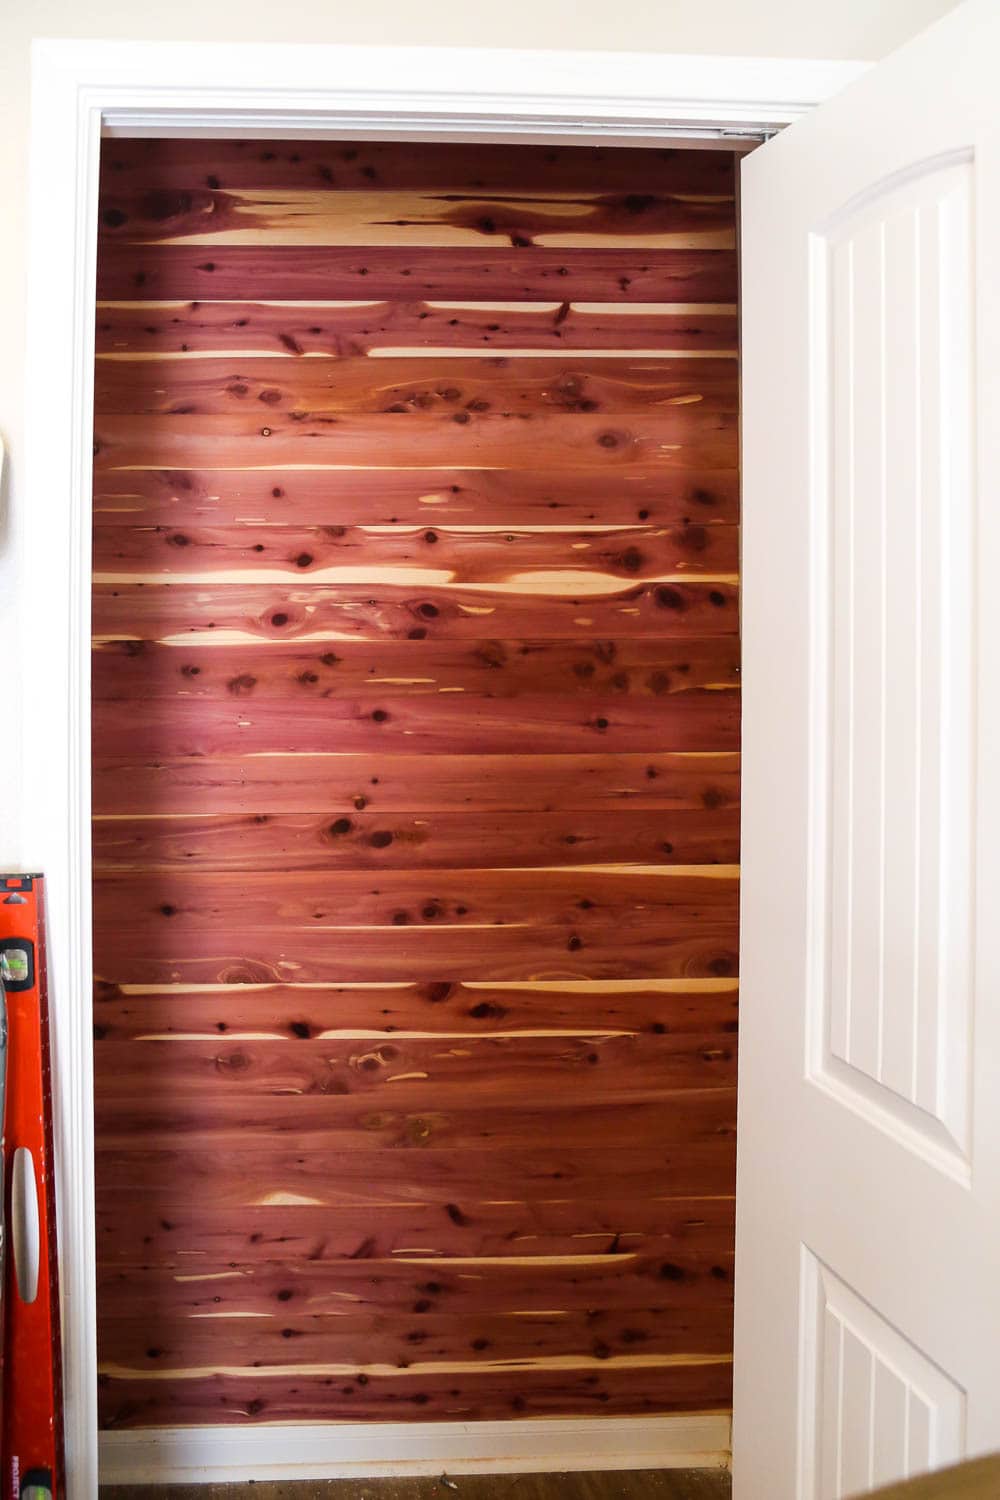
<point x="804" y="28"/>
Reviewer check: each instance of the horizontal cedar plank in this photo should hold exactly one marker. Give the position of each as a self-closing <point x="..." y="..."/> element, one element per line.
<point x="401" y="1338"/>
<point x="340" y="1298"/>
<point x="317" y="1123"/>
<point x="127" y="1399"/>
<point x="548" y="924"/>
<point x="124" y="783"/>
<point x="160" y="1339"/>
<point x="500" y="271"/>
<point x="308" y="841"/>
<point x="468" y="556"/>
<point x="420" y="387"/>
<point x="682" y="1295"/>
<point x="263" y="1168"/>
<point x="216" y="1123"/>
<point x="623" y="494"/>
<point x="438" y="1074"/>
<point x="318" y="1126"/>
<point x="702" y="719"/>
<point x="293" y="671"/>
<point x="475" y="897"/>
<point x="152" y="1231"/>
<point x="330" y="611"/>
<point x="380" y="166"/>
<point x="352" y="329"/>
<point x="672" y="437"/>
<point x="318" y="215"/>
<point x="378" y="1011"/>
<point x="231" y="956"/>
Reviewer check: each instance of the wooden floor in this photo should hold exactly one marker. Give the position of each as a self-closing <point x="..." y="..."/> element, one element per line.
<point x="654" y="1484"/>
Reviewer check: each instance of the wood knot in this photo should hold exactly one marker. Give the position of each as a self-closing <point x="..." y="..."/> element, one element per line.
<point x="232" y="1062"/>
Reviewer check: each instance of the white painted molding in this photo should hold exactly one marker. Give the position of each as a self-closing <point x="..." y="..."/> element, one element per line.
<point x="176" y="1455"/>
<point x="54" y="606"/>
<point x="80" y="88"/>
<point x="149" y="87"/>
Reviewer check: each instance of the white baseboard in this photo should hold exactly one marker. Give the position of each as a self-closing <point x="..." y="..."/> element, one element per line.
<point x="164" y="1455"/>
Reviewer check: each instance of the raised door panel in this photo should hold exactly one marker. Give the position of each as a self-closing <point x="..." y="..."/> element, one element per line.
<point x="874" y="1408"/>
<point x="893" y="364"/>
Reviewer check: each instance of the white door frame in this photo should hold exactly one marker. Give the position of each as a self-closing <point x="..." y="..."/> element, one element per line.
<point x="79" y="91"/>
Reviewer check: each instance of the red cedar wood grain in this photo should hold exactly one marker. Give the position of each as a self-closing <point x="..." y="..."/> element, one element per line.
<point x="678" y="551"/>
<point x="151" y="1232"/>
<point x="132" y="609"/>
<point x="492" y="784"/>
<point x="500" y="669"/>
<point x="631" y="495"/>
<point x="415" y="895"/>
<point x="151" y="329"/>
<point x="150" y="165"/>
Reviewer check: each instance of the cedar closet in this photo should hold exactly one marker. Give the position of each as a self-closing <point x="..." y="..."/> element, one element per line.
<point x="416" y="730"/>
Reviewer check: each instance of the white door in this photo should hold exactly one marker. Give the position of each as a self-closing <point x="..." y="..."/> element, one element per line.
<point x="868" y="1237"/>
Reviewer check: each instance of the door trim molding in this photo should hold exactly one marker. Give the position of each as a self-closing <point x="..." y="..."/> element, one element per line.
<point x="81" y="89"/>
<point x="299" y="1450"/>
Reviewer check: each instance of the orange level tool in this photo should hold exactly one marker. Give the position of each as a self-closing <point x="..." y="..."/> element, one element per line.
<point x="31" y="1443"/>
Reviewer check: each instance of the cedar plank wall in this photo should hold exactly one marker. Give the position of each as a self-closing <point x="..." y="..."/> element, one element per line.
<point x="415" y="781"/>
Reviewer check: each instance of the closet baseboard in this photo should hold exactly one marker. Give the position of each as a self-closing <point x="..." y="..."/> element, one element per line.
<point x="296" y="1450"/>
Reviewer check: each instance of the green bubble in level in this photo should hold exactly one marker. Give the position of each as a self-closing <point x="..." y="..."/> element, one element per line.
<point x="14" y="965"/>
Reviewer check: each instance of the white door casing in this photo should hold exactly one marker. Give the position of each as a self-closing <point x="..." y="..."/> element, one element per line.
<point x="868" y="1223"/>
<point x="80" y="88"/>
